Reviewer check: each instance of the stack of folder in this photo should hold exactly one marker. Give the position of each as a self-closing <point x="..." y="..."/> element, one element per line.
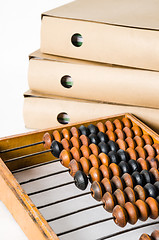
<point x="97" y="58"/>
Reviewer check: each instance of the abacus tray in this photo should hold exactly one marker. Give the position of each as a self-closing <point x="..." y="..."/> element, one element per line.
<point x="37" y="222"/>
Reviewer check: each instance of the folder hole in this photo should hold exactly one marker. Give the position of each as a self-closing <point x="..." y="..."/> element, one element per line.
<point x="63" y="118"/>
<point x="66" y="81"/>
<point x="77" y="40"/>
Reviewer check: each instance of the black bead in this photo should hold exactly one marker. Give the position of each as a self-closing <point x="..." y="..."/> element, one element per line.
<point x="157" y="199"/>
<point x="93" y="138"/>
<point x="124" y="156"/>
<point x="103" y="137"/>
<point x="156" y="184"/>
<point x="81" y="180"/>
<point x="138" y="178"/>
<point x="113" y="146"/>
<point x="103" y="147"/>
<point x="134" y="165"/>
<point x="148" y="176"/>
<point x="56" y="148"/>
<point x="124" y="167"/>
<point x="84" y="130"/>
<point x="93" y="129"/>
<point x="114" y="158"/>
<point x="151" y="190"/>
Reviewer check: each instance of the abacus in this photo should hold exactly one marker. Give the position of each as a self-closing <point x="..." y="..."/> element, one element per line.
<point x="114" y="163"/>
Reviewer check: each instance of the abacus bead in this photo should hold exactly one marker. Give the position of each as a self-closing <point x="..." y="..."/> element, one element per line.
<point x="128" y="180"/>
<point x="114" y="158"/>
<point x="75" y="132"/>
<point x="140" y="192"/>
<point x="94" y="139"/>
<point x="95" y="175"/>
<point x="143" y="163"/>
<point x="155" y="173"/>
<point x="113" y="146"/>
<point x="66" y="133"/>
<point x="106" y="172"/>
<point x="141" y="152"/>
<point x="134" y="165"/>
<point x="156" y="147"/>
<point x="76" y="153"/>
<point x="57" y="135"/>
<point x="123" y="155"/>
<point x="137" y="131"/>
<point x="76" y="142"/>
<point x="104" y="147"/>
<point x="128" y="132"/>
<point x="66" y="144"/>
<point x="138" y="178"/>
<point x="156" y="184"/>
<point x="85" y="140"/>
<point x="101" y="127"/>
<point x="86" y="165"/>
<point x="97" y="190"/>
<point x="143" y="210"/>
<point x="110" y="125"/>
<point x="122" y="144"/>
<point x="118" y="124"/>
<point x="145" y="236"/>
<point x="148" y="139"/>
<point x="155" y="234"/>
<point x="139" y="141"/>
<point x="150" y="150"/>
<point x="102" y="137"/>
<point x="108" y="186"/>
<point x="151" y="190"/>
<point x="86" y="152"/>
<point x="127" y="122"/>
<point x="84" y="130"/>
<point x="120" y="216"/>
<point x="56" y="148"/>
<point x="74" y="166"/>
<point x="130" y="142"/>
<point x="65" y="157"/>
<point x="118" y="183"/>
<point x="130" y="194"/>
<point x="109" y="201"/>
<point x="132" y="153"/>
<point x="93" y="129"/>
<point x="81" y="180"/>
<point x="47" y="138"/>
<point x="120" y="134"/>
<point x="115" y="169"/>
<point x="111" y="135"/>
<point x="148" y="177"/>
<point x="153" y="162"/>
<point x="124" y="166"/>
<point x="132" y="212"/>
<point x="104" y="159"/>
<point x="157" y="198"/>
<point x="120" y="196"/>
<point x="95" y="161"/>
<point x="154" y="207"/>
<point x="94" y="149"/>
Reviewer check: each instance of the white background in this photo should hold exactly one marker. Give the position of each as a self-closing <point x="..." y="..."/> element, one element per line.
<point x="19" y="36"/>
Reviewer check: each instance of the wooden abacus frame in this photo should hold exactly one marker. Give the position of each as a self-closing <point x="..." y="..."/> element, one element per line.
<point x="11" y="193"/>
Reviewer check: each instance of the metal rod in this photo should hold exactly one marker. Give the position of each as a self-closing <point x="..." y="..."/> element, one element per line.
<point x="21" y="147"/>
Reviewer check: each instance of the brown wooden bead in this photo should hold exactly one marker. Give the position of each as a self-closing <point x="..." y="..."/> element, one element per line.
<point x="120" y="196"/>
<point x="155" y="234"/>
<point x="95" y="161"/>
<point x="148" y="139"/>
<point x="65" y="157"/>
<point x="115" y="169"/>
<point x="150" y="150"/>
<point x="153" y="162"/>
<point x="86" y="165"/>
<point x="74" y="166"/>
<point x="143" y="163"/>
<point x="118" y="123"/>
<point x="122" y="144"/>
<point x="139" y="141"/>
<point x="86" y="152"/>
<point x="140" y="192"/>
<point x="128" y="132"/>
<point x="132" y="153"/>
<point x="153" y="206"/>
<point x="141" y="152"/>
<point x="157" y="157"/>
<point x="76" y="153"/>
<point x="156" y="147"/>
<point x="120" y="216"/>
<point x="106" y="172"/>
<point x="145" y="236"/>
<point x="95" y="149"/>
<point x="130" y="194"/>
<point x="130" y="142"/>
<point x="97" y="190"/>
<point x="110" y="126"/>
<point x="47" y="138"/>
<point x="127" y="122"/>
<point x="104" y="159"/>
<point x="75" y="132"/>
<point x="95" y="175"/>
<point x="128" y="180"/>
<point x="118" y="182"/>
<point x="107" y="185"/>
<point x="101" y="127"/>
<point x="155" y="173"/>
<point x="57" y="135"/>
<point x="85" y="140"/>
<point x="137" y="131"/>
<point x="120" y="134"/>
<point x="76" y="142"/>
<point x="66" y="144"/>
<point x="111" y="135"/>
<point x="143" y="210"/>
<point x="66" y="133"/>
<point x="132" y="212"/>
<point x="109" y="201"/>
